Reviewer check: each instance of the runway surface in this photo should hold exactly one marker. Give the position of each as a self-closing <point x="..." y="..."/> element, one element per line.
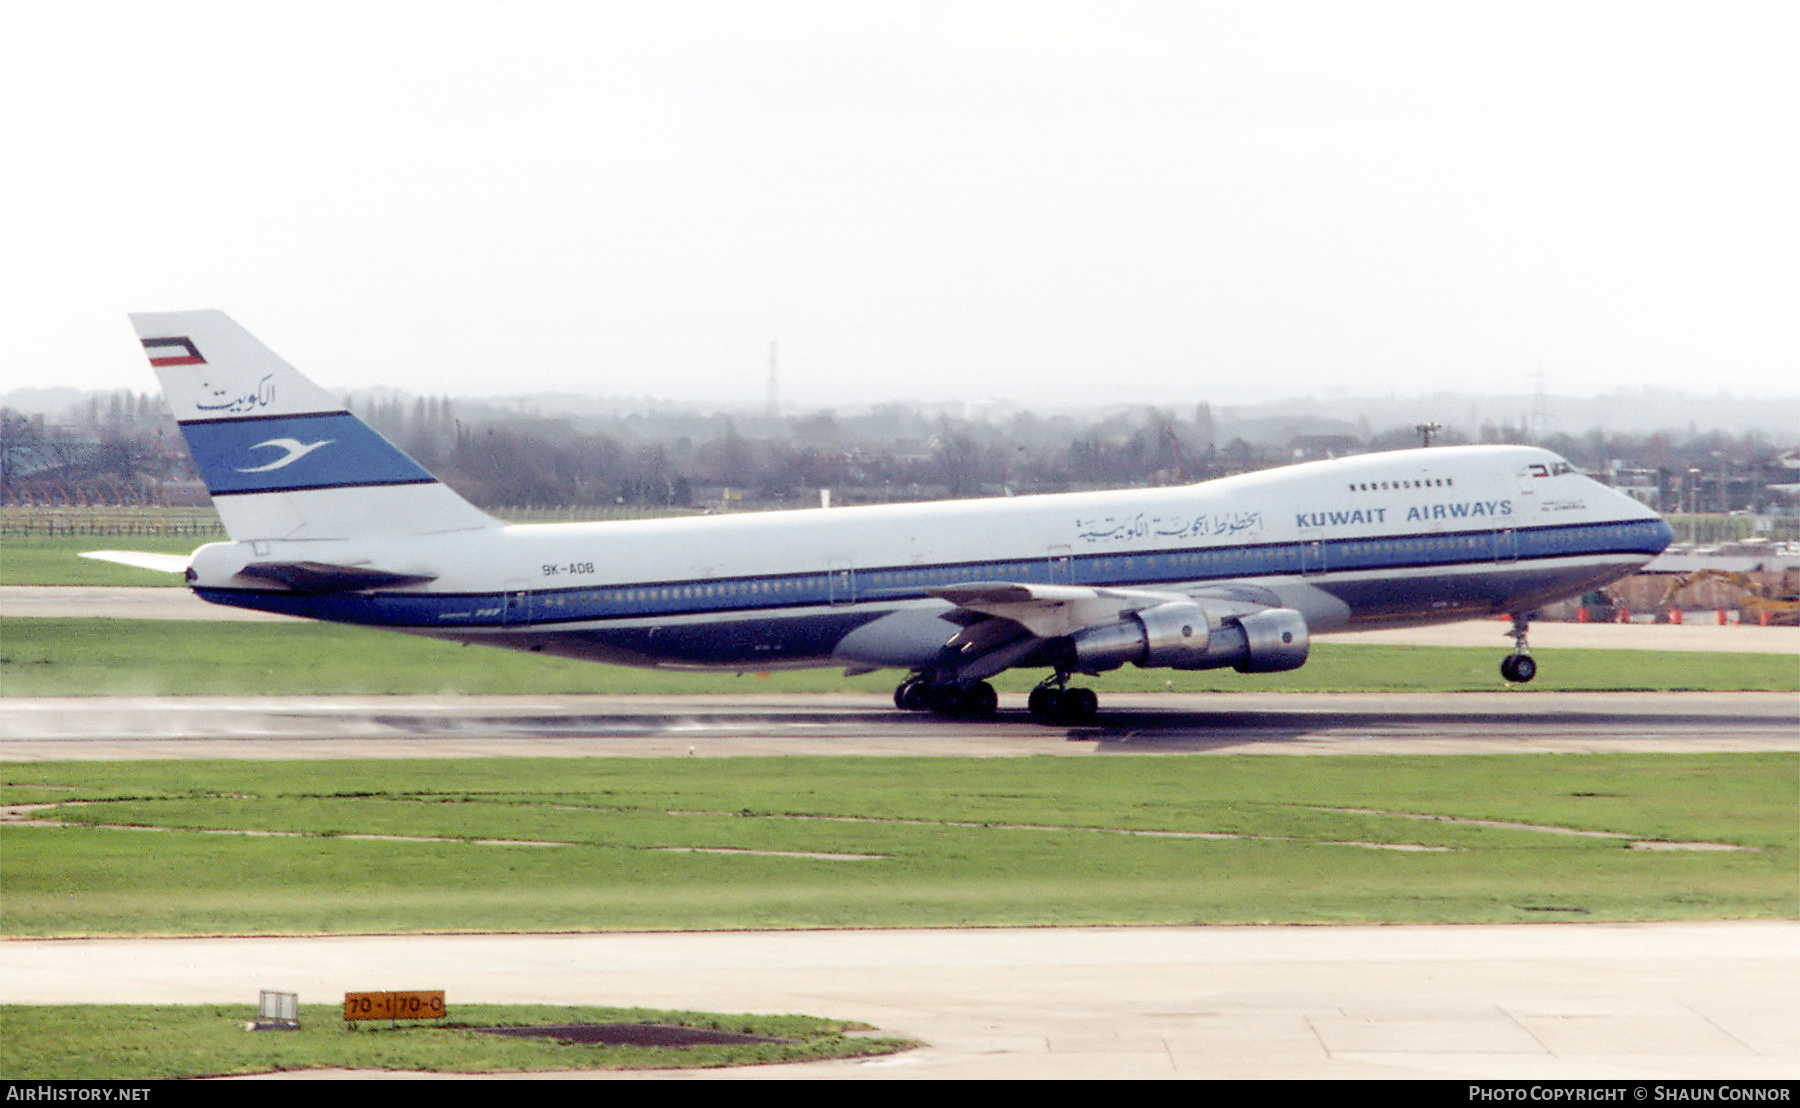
<point x="119" y="728"/>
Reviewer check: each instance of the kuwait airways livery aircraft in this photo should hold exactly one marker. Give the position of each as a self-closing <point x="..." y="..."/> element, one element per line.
<point x="329" y="520"/>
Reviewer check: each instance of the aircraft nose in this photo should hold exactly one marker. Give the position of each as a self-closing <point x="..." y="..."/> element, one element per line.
<point x="1665" y="534"/>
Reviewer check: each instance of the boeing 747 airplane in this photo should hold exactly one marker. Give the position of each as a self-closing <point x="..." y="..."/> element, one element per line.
<point x="329" y="520"/>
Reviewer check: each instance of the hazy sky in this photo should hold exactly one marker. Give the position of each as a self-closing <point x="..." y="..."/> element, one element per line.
<point x="1039" y="201"/>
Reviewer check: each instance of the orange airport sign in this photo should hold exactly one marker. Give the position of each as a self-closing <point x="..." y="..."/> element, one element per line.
<point x="394" y="1006"/>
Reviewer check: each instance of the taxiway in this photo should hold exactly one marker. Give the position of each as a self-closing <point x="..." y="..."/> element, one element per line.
<point x="1615" y="1002"/>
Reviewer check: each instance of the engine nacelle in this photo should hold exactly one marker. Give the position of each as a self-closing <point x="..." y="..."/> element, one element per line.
<point x="1174" y="635"/>
<point x="1178" y="635"/>
<point x="1275" y="639"/>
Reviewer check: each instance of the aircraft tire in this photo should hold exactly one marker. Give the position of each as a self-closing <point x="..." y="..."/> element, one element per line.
<point x="1518" y="668"/>
<point x="1045" y="704"/>
<point x="946" y="700"/>
<point x="912" y="696"/>
<point x="1080" y="704"/>
<point x="980" y="701"/>
<point x="1048" y="705"/>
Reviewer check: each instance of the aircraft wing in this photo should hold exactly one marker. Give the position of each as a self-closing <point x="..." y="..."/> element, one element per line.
<point x="1088" y="630"/>
<point x="1051" y="611"/>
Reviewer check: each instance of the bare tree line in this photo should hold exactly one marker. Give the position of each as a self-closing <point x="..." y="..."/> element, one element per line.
<point x="125" y="445"/>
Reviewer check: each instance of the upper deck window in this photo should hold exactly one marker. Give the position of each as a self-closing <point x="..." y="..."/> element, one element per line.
<point x="1424" y="483"/>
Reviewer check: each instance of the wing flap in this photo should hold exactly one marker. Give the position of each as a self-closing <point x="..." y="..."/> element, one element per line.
<point x="1050" y="611"/>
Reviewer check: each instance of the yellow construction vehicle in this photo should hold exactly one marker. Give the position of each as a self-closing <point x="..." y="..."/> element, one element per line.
<point x="1761" y="601"/>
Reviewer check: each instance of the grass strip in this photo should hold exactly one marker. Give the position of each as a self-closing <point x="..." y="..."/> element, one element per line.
<point x="97" y="657"/>
<point x="56" y="560"/>
<point x="89" y="1042"/>
<point x="655" y="844"/>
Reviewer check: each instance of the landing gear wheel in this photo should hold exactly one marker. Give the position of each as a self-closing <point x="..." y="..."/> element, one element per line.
<point x="1049" y="704"/>
<point x="1080" y="704"/>
<point x="980" y="701"/>
<point x="912" y="696"/>
<point x="945" y="700"/>
<point x="1518" y="668"/>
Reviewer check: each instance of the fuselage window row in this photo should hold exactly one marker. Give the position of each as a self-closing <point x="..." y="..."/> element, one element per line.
<point x="1335" y="555"/>
<point x="1401" y="486"/>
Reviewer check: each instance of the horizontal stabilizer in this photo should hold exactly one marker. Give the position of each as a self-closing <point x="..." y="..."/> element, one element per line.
<point x="316" y="577"/>
<point x="142" y="559"/>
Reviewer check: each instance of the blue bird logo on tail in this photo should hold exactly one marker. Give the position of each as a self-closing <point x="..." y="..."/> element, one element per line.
<point x="295" y="451"/>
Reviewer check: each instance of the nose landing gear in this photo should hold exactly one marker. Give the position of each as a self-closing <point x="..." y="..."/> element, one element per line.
<point x="1519" y="667"/>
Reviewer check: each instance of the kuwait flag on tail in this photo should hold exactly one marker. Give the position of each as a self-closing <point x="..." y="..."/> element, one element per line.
<point x="172" y="351"/>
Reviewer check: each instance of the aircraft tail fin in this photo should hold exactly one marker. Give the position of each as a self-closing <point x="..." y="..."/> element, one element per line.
<point x="281" y="458"/>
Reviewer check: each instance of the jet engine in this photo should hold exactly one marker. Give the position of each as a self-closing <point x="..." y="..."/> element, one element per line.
<point x="1178" y="635"/>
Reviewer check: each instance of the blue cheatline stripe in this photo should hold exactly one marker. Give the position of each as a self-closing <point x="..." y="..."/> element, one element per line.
<point x="767" y="595"/>
<point x="325" y="450"/>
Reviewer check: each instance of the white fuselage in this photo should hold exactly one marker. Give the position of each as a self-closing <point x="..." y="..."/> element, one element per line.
<point x="1374" y="540"/>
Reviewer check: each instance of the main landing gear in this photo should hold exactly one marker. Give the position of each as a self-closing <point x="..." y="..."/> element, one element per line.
<point x="1518" y="667"/>
<point x="1054" y="702"/>
<point x="977" y="701"/>
<point x="1051" y="702"/>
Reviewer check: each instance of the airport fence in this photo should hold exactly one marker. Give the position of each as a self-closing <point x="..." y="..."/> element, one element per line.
<point x="29" y="521"/>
